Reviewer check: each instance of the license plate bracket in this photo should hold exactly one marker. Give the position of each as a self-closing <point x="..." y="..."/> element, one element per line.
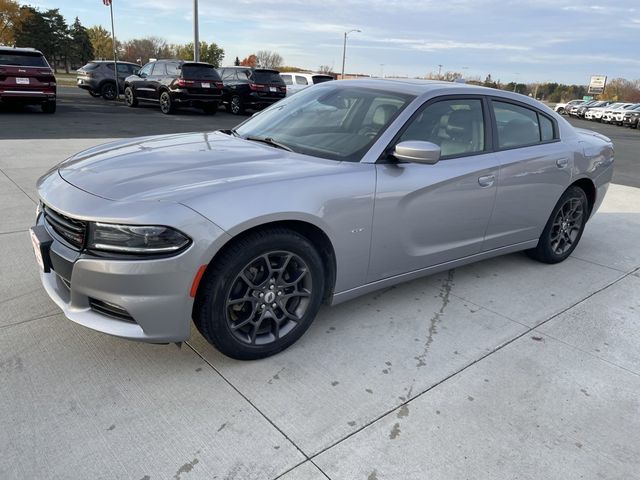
<point x="22" y="81"/>
<point x="41" y="242"/>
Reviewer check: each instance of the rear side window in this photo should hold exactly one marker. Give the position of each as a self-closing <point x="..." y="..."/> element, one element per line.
<point x="520" y="126"/>
<point x="266" y="76"/>
<point x="90" y="66"/>
<point x="286" y="79"/>
<point x="457" y="126"/>
<point x="301" y="80"/>
<point x="199" y="72"/>
<point x="23" y="59"/>
<point x="173" y="69"/>
<point x="125" y="69"/>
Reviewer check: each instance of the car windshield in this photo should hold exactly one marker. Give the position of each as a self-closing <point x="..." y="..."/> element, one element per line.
<point x="23" y="59"/>
<point x="199" y="71"/>
<point x="328" y="122"/>
<point x="266" y="76"/>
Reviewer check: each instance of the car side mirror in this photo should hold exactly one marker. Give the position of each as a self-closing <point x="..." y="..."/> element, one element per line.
<point x="416" y="151"/>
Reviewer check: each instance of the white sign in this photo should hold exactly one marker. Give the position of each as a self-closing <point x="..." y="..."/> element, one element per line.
<point x="597" y="84"/>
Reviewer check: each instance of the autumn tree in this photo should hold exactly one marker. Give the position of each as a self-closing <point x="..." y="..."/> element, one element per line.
<point x="11" y="17"/>
<point x="250" y="61"/>
<point x="269" y="59"/>
<point x="140" y="50"/>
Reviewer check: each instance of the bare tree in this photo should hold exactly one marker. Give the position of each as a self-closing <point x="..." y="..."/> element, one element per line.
<point x="325" y="69"/>
<point x="269" y="59"/>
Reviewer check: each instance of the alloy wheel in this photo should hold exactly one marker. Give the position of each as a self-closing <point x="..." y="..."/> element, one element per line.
<point x="235" y="105"/>
<point x="566" y="226"/>
<point x="268" y="298"/>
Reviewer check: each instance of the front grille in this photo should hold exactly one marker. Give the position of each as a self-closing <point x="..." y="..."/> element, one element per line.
<point x="72" y="231"/>
<point x="110" y="310"/>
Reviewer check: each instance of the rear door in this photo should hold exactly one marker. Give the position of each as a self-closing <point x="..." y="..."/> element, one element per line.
<point x="431" y="214"/>
<point x="535" y="170"/>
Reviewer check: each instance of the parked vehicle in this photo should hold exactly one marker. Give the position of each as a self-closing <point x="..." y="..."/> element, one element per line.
<point x="615" y="116"/>
<point x="97" y="78"/>
<point x="563" y="108"/>
<point x="596" y="113"/>
<point x="631" y="118"/>
<point x="582" y="110"/>
<point x="297" y="81"/>
<point x="26" y="78"/>
<point x="573" y="110"/>
<point x="251" y="88"/>
<point x="175" y="83"/>
<point x="337" y="191"/>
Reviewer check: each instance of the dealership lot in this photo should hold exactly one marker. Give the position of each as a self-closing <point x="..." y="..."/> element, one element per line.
<point x="503" y="369"/>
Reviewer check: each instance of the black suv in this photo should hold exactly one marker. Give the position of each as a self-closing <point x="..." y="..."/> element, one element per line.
<point x="26" y="78"/>
<point x="173" y="83"/>
<point x="97" y="78"/>
<point x="254" y="88"/>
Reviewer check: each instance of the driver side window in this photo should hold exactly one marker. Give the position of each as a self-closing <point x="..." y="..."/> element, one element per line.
<point x="456" y="126"/>
<point x="145" y="70"/>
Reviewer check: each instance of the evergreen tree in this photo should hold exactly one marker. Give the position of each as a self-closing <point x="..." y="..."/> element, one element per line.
<point x="81" y="48"/>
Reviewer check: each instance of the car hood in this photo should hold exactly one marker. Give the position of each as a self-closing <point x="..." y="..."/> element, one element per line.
<point x="177" y="167"/>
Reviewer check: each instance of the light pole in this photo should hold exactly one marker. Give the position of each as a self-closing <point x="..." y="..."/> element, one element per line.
<point x="439" y="71"/>
<point x="196" y="39"/>
<point x="344" y="49"/>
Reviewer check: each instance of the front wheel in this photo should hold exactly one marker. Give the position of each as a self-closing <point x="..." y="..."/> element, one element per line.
<point x="261" y="295"/>
<point x="564" y="228"/>
<point x="130" y="98"/>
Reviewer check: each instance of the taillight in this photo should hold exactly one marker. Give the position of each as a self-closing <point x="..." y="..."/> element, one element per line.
<point x="255" y="86"/>
<point x="184" y="83"/>
<point x="282" y="89"/>
<point x="219" y="85"/>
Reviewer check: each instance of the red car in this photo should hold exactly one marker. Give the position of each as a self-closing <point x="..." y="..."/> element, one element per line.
<point x="26" y="78"/>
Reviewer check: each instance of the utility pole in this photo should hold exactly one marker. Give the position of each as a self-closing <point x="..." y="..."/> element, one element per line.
<point x="196" y="39"/>
<point x="344" y="50"/>
<point x="439" y="71"/>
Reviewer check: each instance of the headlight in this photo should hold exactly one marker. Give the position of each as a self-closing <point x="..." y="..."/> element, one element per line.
<point x="135" y="238"/>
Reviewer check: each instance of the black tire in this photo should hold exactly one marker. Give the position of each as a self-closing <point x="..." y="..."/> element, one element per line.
<point x="564" y="228"/>
<point x="49" y="106"/>
<point x="236" y="105"/>
<point x="94" y="94"/>
<point x="210" y="108"/>
<point x="130" y="98"/>
<point x="166" y="103"/>
<point x="222" y="318"/>
<point x="108" y="91"/>
<point x="561" y="111"/>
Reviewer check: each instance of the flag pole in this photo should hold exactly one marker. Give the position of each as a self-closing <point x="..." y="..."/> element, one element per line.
<point x="115" y="51"/>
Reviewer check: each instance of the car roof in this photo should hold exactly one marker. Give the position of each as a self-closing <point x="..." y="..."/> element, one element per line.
<point x="111" y="61"/>
<point x="4" y="48"/>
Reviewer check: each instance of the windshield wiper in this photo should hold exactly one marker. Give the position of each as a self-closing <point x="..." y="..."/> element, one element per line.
<point x="231" y="131"/>
<point x="269" y="141"/>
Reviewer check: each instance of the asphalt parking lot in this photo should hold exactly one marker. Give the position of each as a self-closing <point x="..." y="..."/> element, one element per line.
<point x="499" y="370"/>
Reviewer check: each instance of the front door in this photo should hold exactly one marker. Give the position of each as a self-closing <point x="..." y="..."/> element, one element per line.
<point x="430" y="214"/>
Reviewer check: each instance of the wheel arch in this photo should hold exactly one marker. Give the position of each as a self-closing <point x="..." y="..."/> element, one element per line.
<point x="589" y="188"/>
<point x="316" y="235"/>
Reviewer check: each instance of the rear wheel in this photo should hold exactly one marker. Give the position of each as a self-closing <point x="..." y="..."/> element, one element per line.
<point x="49" y="106"/>
<point x="210" y="108"/>
<point x="564" y="228"/>
<point x="108" y="91"/>
<point x="236" y="106"/>
<point x="130" y="98"/>
<point x="561" y="111"/>
<point x="261" y="294"/>
<point x="166" y="103"/>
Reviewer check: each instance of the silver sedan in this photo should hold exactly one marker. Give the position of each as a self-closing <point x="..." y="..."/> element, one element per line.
<point x="342" y="189"/>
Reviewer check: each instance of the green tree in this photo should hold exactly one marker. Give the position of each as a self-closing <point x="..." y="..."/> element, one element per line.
<point x="34" y="32"/>
<point x="209" y="52"/>
<point x="81" y="48"/>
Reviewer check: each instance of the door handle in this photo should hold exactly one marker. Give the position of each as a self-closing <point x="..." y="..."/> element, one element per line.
<point x="486" y="180"/>
<point x="562" y="162"/>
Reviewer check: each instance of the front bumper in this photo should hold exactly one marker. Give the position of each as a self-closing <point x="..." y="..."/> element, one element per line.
<point x="154" y="293"/>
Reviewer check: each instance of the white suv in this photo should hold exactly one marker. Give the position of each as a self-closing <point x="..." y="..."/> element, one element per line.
<point x="297" y="81"/>
<point x="616" y="115"/>
<point x="597" y="112"/>
<point x="563" y="108"/>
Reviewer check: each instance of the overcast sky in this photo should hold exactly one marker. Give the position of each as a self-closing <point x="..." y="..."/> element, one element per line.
<point x="542" y="40"/>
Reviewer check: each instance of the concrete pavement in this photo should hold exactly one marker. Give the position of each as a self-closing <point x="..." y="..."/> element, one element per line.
<point x="503" y="369"/>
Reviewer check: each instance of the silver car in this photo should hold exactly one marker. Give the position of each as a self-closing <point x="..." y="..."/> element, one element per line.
<point x="339" y="190"/>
